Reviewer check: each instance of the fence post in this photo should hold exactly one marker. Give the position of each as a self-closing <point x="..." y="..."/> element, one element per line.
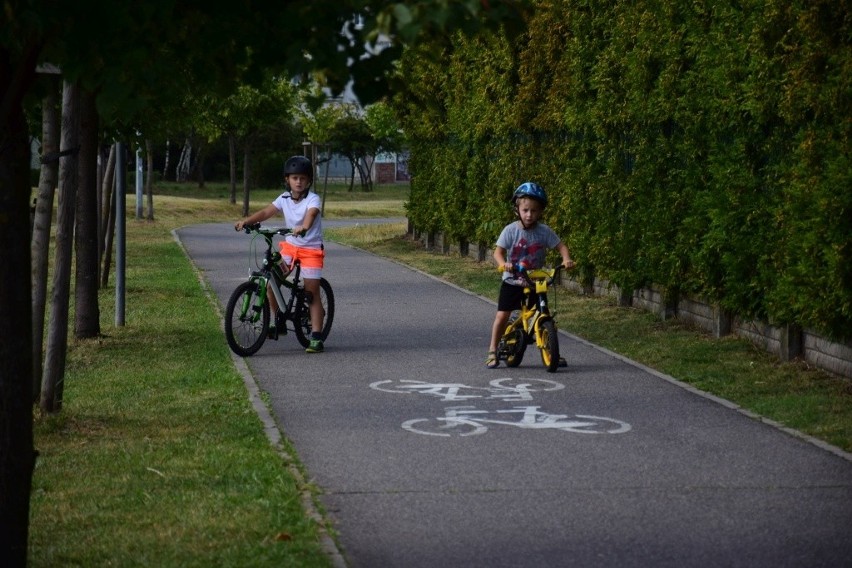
<point x="791" y="342"/>
<point x="464" y="247"/>
<point x="481" y="252"/>
<point x="669" y="308"/>
<point x="722" y="321"/>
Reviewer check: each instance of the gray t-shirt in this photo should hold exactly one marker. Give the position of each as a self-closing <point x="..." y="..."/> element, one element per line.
<point x="527" y="247"/>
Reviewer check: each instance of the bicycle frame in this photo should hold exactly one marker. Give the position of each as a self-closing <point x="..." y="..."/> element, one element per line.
<point x="249" y="320"/>
<point x="531" y="317"/>
<point x="534" y="324"/>
<point x="271" y="271"/>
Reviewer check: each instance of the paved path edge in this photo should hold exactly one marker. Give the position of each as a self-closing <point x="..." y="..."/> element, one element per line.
<point x="270" y="426"/>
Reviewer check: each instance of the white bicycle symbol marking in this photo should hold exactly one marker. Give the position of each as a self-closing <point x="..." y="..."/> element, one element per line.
<point x="508" y="389"/>
<point x="460" y="419"/>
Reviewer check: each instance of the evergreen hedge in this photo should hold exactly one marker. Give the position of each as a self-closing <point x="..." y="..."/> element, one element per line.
<point x="698" y="146"/>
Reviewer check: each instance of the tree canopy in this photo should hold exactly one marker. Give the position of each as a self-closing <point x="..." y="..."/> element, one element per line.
<point x="139" y="58"/>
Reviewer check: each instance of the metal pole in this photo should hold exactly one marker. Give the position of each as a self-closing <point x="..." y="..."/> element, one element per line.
<point x="120" y="231"/>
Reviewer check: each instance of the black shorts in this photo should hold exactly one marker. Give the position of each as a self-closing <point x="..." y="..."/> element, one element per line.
<point x="511" y="297"/>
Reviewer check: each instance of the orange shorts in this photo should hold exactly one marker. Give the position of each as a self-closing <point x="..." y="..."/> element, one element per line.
<point x="311" y="259"/>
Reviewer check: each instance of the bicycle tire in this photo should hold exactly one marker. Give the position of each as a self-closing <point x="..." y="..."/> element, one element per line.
<point x="302" y="315"/>
<point x="513" y="344"/>
<point x="245" y="335"/>
<point x="550" y="345"/>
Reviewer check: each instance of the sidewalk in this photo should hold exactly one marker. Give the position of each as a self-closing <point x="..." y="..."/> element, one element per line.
<point x="426" y="458"/>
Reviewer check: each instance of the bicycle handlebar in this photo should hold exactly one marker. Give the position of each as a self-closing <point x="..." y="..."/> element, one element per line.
<point x="519" y="269"/>
<point x="257" y="228"/>
<point x="548" y="274"/>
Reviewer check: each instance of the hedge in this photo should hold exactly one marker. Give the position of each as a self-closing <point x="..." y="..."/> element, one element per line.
<point x="698" y="146"/>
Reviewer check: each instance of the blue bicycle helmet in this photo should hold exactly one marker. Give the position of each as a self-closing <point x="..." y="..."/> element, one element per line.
<point x="530" y="189"/>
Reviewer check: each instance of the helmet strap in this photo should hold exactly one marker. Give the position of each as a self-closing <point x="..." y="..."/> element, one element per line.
<point x="304" y="191"/>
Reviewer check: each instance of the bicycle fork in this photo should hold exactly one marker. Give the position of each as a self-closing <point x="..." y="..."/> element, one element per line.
<point x="252" y="306"/>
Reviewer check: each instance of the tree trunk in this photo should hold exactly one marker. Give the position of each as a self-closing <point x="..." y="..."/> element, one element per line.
<point x="368" y="167"/>
<point x="184" y="164"/>
<point x="325" y="182"/>
<point x="200" y="155"/>
<point x="17" y="456"/>
<point x="149" y="151"/>
<point x="166" y="161"/>
<point x="106" y="195"/>
<point x="86" y="310"/>
<point x="109" y="217"/>
<point x="232" y="158"/>
<point x="57" y="338"/>
<point x="40" y="245"/>
<point x="246" y="178"/>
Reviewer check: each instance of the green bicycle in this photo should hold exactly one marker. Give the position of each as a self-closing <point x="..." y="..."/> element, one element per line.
<point x="534" y="322"/>
<point x="247" y="313"/>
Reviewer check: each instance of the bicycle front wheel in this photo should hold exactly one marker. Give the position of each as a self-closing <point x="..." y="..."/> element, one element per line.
<point x="513" y="344"/>
<point x="302" y="316"/>
<point x="246" y="319"/>
<point x="549" y="345"/>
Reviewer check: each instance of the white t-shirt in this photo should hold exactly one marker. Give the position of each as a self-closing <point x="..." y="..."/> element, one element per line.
<point x="294" y="214"/>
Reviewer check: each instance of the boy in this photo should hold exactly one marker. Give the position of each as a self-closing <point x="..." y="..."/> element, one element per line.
<point x="526" y="241"/>
<point x="301" y="210"/>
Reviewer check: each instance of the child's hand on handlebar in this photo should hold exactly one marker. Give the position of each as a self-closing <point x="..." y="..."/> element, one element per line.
<point x="568" y="264"/>
<point x="241" y="225"/>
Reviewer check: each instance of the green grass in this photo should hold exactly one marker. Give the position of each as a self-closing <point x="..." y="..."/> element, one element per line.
<point x="383" y="201"/>
<point x="793" y="394"/>
<point x="158" y="458"/>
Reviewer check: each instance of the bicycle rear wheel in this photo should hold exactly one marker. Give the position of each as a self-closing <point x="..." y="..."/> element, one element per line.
<point x="302" y="316"/>
<point x="246" y="319"/>
<point x="550" y="348"/>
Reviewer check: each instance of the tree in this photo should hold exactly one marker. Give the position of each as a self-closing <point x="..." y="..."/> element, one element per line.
<point x="244" y="117"/>
<point x="385" y="133"/>
<point x="256" y="111"/>
<point x="361" y="136"/>
<point x="228" y="45"/>
<point x="384" y="126"/>
<point x="351" y="138"/>
<point x="42" y="221"/>
<point x="86" y="311"/>
<point x="54" y="364"/>
<point x="318" y="124"/>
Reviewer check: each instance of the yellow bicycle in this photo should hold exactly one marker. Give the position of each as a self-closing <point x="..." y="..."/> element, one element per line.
<point x="534" y="322"/>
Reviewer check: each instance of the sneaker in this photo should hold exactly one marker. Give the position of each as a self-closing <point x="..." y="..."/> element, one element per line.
<point x="272" y="332"/>
<point x="315" y="346"/>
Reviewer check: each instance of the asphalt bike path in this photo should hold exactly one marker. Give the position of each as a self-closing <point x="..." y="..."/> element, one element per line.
<point x="426" y="458"/>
